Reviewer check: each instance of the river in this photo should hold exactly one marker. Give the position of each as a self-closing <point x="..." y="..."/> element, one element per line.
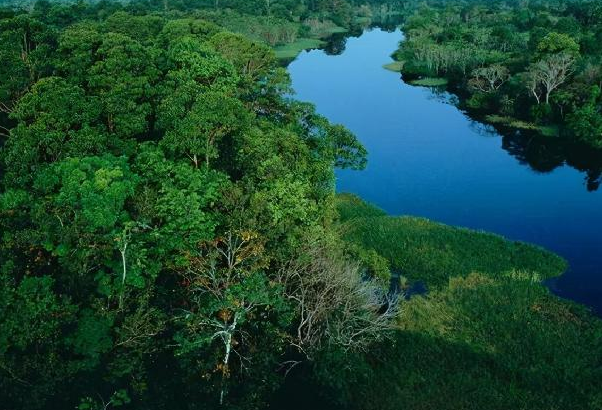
<point x="427" y="158"/>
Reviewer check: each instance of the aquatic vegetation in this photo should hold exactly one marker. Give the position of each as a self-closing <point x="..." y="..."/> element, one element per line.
<point x="291" y="50"/>
<point x="487" y="326"/>
<point x="434" y="252"/>
<point x="395" y="66"/>
<point x="430" y="82"/>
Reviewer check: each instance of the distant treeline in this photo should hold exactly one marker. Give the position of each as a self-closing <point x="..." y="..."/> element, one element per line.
<point x="531" y="65"/>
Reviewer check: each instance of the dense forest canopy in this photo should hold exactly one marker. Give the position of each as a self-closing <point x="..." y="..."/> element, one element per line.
<point x="158" y="194"/>
<point x="171" y="239"/>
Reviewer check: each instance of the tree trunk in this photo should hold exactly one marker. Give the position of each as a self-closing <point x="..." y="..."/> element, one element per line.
<point x="124" y="272"/>
<point x="228" y="347"/>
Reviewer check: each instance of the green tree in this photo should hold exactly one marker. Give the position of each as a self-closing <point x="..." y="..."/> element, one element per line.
<point x="554" y="43"/>
<point x="213" y="116"/>
<point x="25" y="48"/>
<point x="250" y="58"/>
<point x="55" y="121"/>
<point x="34" y="351"/>
<point x="585" y="122"/>
<point x="123" y="77"/>
<point x="235" y="311"/>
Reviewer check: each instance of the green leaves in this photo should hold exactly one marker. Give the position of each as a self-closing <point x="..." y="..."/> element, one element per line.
<point x="32" y="341"/>
<point x="159" y="169"/>
<point x="76" y="51"/>
<point x="213" y="116"/>
<point x="585" y="123"/>
<point x="32" y="312"/>
<point x="80" y="211"/>
<point x="123" y="78"/>
<point x="25" y="48"/>
<point x="348" y="151"/>
<point x="554" y="43"/>
<point x="55" y="120"/>
<point x="250" y="58"/>
<point x="89" y="192"/>
<point x="185" y="196"/>
<point x="92" y="337"/>
<point x="192" y="63"/>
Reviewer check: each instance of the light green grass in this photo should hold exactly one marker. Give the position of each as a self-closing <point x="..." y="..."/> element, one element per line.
<point x="545" y="130"/>
<point x="549" y="130"/>
<point x="430" y="82"/>
<point x="511" y="122"/>
<point x="362" y="20"/>
<point x="335" y="30"/>
<point x="486" y="326"/>
<point x="292" y="50"/>
<point x="395" y="66"/>
<point x="434" y="252"/>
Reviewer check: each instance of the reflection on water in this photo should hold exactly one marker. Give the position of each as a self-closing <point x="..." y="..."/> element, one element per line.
<point x="546" y="154"/>
<point x="428" y="158"/>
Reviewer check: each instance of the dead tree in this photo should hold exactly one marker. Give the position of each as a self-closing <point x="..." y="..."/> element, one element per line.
<point x="335" y="305"/>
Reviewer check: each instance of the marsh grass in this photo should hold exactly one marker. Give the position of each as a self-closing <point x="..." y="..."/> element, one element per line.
<point x="487" y="335"/>
<point x="430" y="82"/>
<point x="545" y="130"/>
<point x="433" y="252"/>
<point x="395" y="66"/>
<point x="291" y="51"/>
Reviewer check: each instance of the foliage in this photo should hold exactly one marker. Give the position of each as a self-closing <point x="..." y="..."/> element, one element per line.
<point x="535" y="55"/>
<point x="170" y="237"/>
<point x="487" y="324"/>
<point x="432" y="252"/>
<point x="155" y="180"/>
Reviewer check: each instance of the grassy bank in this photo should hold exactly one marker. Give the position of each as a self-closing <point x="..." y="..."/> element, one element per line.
<point x="488" y="335"/>
<point x="434" y="252"/>
<point x="291" y="51"/>
<point x="430" y="82"/>
<point x="545" y="130"/>
<point x="395" y="66"/>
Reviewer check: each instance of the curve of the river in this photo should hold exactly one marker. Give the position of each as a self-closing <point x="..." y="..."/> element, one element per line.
<point x="427" y="158"/>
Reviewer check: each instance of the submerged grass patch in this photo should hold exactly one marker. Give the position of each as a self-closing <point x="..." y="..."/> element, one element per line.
<point x="508" y="341"/>
<point x="545" y="130"/>
<point x="549" y="130"/>
<point x="430" y="82"/>
<point x="292" y="50"/>
<point x="396" y="66"/>
<point x="335" y="30"/>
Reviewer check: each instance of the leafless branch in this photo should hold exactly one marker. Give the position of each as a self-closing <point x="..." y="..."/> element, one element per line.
<point x="334" y="304"/>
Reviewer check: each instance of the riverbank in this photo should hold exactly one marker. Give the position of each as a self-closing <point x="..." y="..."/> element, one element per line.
<point x="488" y="334"/>
<point x="429" y="159"/>
<point x="433" y="252"/>
<point x="493" y="119"/>
<point x="487" y="326"/>
<point x="523" y="74"/>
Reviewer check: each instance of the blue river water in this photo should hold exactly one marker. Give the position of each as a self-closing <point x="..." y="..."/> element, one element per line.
<point x="427" y="158"/>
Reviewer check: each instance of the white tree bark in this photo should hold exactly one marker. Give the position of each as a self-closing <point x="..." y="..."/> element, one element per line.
<point x="551" y="72"/>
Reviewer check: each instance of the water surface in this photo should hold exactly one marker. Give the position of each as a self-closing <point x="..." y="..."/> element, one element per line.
<point x="429" y="159"/>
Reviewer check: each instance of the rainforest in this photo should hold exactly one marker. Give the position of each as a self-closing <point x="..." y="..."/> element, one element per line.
<point x="226" y="204"/>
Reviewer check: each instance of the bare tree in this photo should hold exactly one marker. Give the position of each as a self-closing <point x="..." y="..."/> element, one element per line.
<point x="489" y="79"/>
<point x="551" y="72"/>
<point x="335" y="305"/>
<point x="223" y="270"/>
<point x="533" y="85"/>
<point x="141" y="326"/>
